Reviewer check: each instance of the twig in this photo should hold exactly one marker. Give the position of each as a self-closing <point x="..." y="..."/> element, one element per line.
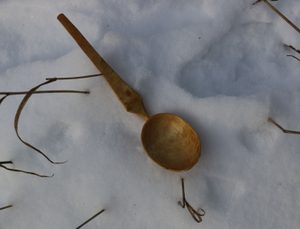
<point x="292" y="47"/>
<point x="294" y="57"/>
<point x="5" y="207"/>
<point x="17" y="117"/>
<point x="74" y="77"/>
<point x="279" y="13"/>
<point x="6" y="162"/>
<point x="9" y="93"/>
<point x="32" y="91"/>
<point x="90" y="219"/>
<point x="281" y="128"/>
<point x="20" y="171"/>
<point x="194" y="213"/>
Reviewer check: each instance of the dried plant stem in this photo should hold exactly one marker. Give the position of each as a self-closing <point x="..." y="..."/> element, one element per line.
<point x="43" y="92"/>
<point x="279" y="13"/>
<point x="296" y="58"/>
<point x="281" y="128"/>
<point x="5" y="207"/>
<point x="197" y="216"/>
<point x="292" y="47"/>
<point x="90" y="219"/>
<point x="6" y="162"/>
<point x="9" y="93"/>
<point x="75" y="77"/>
<point x="17" y="117"/>
<point x="28" y="94"/>
<point x="20" y="171"/>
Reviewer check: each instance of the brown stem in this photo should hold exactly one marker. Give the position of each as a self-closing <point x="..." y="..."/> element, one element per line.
<point x="271" y="120"/>
<point x="19" y="170"/>
<point x="197" y="216"/>
<point x="75" y="77"/>
<point x="5" y="162"/>
<point x="5" y="207"/>
<point x="17" y="117"/>
<point x="42" y="92"/>
<point x="292" y="47"/>
<point x="279" y="13"/>
<point x="90" y="219"/>
<point x="294" y="57"/>
<point x="9" y="93"/>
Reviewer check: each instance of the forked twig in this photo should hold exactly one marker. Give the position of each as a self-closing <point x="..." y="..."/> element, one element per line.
<point x="281" y="128"/>
<point x="21" y="171"/>
<point x="23" y="103"/>
<point x="279" y="13"/>
<point x="28" y="94"/>
<point x="5" y="207"/>
<point x="194" y="213"/>
<point x="90" y="219"/>
<point x="17" y="117"/>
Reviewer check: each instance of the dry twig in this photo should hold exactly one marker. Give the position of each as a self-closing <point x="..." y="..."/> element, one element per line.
<point x="281" y="128"/>
<point x="90" y="219"/>
<point x="292" y="47"/>
<point x="5" y="207"/>
<point x="9" y="93"/>
<point x="296" y="58"/>
<point x="17" y="117"/>
<point x="194" y="213"/>
<point x="32" y="91"/>
<point x="2" y="165"/>
<point x="279" y="13"/>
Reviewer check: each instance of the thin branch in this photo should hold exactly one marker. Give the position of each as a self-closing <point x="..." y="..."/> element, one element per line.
<point x="279" y="13"/>
<point x="281" y="128"/>
<point x="21" y="171"/>
<point x="296" y="58"/>
<point x="5" y="207"/>
<point x="6" y="162"/>
<point x="74" y="77"/>
<point x="43" y="92"/>
<point x="9" y="93"/>
<point x="254" y="3"/>
<point x="292" y="47"/>
<point x="17" y="117"/>
<point x="32" y="91"/>
<point x="197" y="215"/>
<point x="90" y="219"/>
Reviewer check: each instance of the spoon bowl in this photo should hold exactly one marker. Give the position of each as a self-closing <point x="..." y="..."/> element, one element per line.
<point x="171" y="142"/>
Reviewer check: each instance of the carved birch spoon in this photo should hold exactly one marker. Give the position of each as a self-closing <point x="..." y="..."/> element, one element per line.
<point x="169" y="140"/>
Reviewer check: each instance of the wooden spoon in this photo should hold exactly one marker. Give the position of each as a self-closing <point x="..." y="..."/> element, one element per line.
<point x="169" y="140"/>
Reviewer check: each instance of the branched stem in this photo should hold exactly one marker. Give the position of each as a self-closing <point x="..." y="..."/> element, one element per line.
<point x="197" y="215"/>
<point x="20" y="171"/>
<point x="271" y="120"/>
<point x="28" y="94"/>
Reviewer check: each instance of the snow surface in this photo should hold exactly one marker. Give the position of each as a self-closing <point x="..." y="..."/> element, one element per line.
<point x="221" y="65"/>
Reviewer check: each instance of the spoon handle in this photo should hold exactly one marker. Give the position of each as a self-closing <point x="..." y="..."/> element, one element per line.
<point x="131" y="100"/>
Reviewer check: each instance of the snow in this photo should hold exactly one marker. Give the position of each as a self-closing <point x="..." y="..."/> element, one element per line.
<point x="221" y="66"/>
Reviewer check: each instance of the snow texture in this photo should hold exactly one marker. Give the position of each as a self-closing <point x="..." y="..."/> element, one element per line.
<point x="221" y="65"/>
